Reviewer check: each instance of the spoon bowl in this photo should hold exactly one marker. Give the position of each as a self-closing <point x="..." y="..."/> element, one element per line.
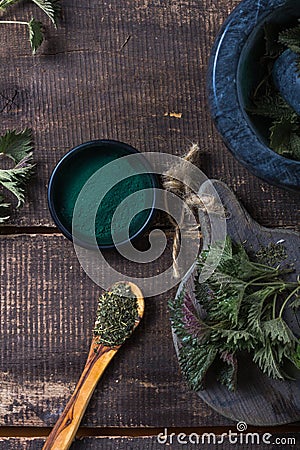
<point x="99" y="357"/>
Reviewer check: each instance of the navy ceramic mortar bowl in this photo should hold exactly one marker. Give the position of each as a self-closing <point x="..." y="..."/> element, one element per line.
<point x="233" y="73"/>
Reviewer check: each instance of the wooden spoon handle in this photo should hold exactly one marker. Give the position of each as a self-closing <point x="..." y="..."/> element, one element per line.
<point x="65" y="428"/>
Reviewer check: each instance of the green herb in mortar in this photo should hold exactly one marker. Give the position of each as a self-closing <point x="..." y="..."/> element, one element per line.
<point x="284" y="122"/>
<point x="239" y="308"/>
<point x="116" y="315"/>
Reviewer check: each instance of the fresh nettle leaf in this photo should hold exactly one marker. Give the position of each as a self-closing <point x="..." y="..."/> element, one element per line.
<point x="192" y="321"/>
<point x="3" y="210"/>
<point x="15" y="179"/>
<point x="291" y="38"/>
<point x="296" y="357"/>
<point x="278" y="330"/>
<point x="36" y="37"/>
<point x="50" y="7"/>
<point x="227" y="374"/>
<point x="235" y="310"/>
<point x="195" y="362"/>
<point x="266" y="360"/>
<point x="4" y="4"/>
<point x="273" y="106"/>
<point x="17" y="147"/>
<point x="280" y="135"/>
<point x="254" y="307"/>
<point x="294" y="145"/>
<point x="35" y="34"/>
<point x="295" y="304"/>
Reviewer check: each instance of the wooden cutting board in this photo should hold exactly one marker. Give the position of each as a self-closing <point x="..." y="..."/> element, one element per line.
<point x="258" y="399"/>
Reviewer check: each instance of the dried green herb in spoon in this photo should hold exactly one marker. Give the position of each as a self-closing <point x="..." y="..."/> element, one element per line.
<point x="116" y="315"/>
<point x="119" y="313"/>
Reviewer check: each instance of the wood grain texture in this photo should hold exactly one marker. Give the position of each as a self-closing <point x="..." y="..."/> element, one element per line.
<point x="113" y="71"/>
<point x="85" y="84"/>
<point x="280" y="400"/>
<point x="48" y="308"/>
<point x="150" y="443"/>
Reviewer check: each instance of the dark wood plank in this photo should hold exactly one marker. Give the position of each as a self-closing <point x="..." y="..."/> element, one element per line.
<point x="48" y="306"/>
<point x="84" y="84"/>
<point x="277" y="442"/>
<point x="281" y="399"/>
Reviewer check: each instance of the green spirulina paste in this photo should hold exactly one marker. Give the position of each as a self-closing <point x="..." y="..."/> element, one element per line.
<point x="80" y="170"/>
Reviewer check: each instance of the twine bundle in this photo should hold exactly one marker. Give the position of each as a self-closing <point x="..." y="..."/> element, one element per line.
<point x="192" y="201"/>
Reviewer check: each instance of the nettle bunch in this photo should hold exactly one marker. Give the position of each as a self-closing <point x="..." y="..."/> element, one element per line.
<point x="35" y="27"/>
<point x="239" y="308"/>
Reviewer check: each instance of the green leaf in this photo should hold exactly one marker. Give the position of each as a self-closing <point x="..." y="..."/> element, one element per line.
<point x="35" y="34"/>
<point x="255" y="303"/>
<point x="195" y="362"/>
<point x="296" y="357"/>
<point x="235" y="339"/>
<point x="230" y="265"/>
<point x="226" y="309"/>
<point x="50" y="7"/>
<point x="14" y="179"/>
<point x="4" y="4"/>
<point x="274" y="107"/>
<point x="295" y="304"/>
<point x="291" y="38"/>
<point x="3" y="210"/>
<point x="278" y="330"/>
<point x="265" y="358"/>
<point x="281" y="131"/>
<point x="16" y="146"/>
<point x="228" y="371"/>
<point x="295" y="145"/>
<point x="185" y="320"/>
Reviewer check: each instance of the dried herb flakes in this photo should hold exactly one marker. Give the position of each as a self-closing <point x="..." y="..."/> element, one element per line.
<point x="116" y="315"/>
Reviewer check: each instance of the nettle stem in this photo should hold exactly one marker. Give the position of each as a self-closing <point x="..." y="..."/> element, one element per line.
<point x="287" y="299"/>
<point x="280" y="284"/>
<point x="14" y="21"/>
<point x="274" y="305"/>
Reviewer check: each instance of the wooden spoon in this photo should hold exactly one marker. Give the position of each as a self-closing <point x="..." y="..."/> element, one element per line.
<point x="65" y="429"/>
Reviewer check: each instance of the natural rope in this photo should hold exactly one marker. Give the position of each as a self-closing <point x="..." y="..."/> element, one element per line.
<point x="192" y="201"/>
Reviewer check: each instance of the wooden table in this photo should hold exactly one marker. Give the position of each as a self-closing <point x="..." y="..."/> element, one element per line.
<point x="113" y="69"/>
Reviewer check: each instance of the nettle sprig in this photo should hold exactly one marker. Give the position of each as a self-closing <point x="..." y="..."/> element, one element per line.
<point x="18" y="148"/>
<point x="35" y="28"/>
<point x="239" y="308"/>
<point x="284" y="136"/>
